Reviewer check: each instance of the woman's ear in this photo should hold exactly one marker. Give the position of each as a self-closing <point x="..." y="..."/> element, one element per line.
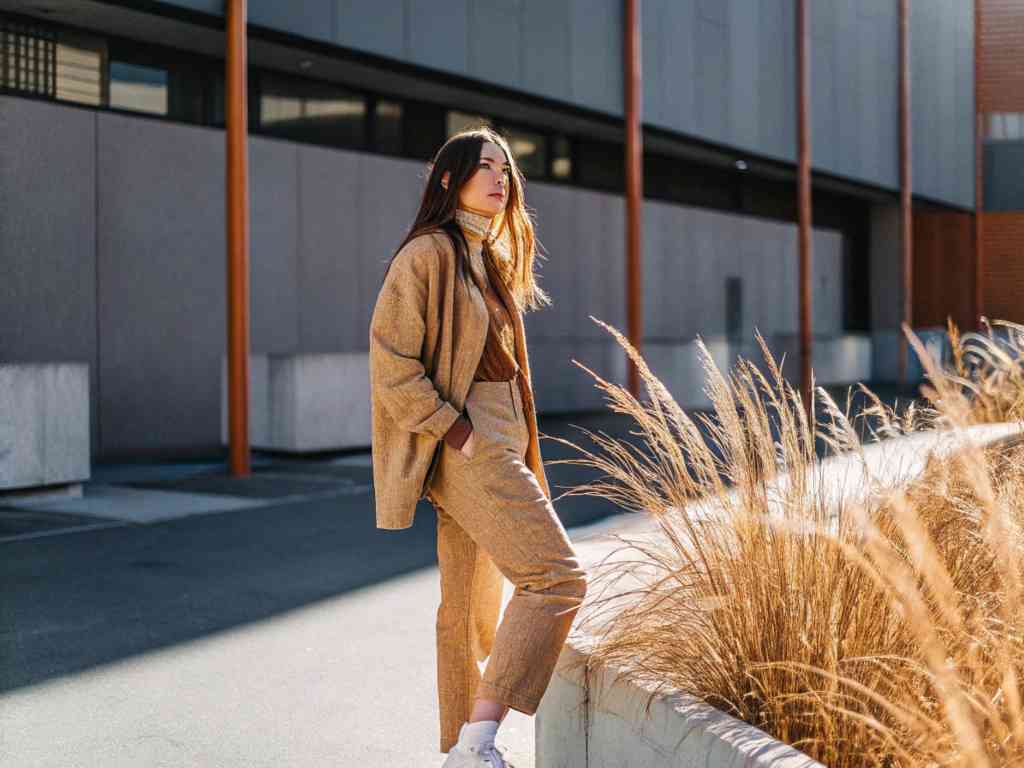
<point x="444" y="179"/>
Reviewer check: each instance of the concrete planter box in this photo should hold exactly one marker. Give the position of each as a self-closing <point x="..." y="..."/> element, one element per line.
<point x="44" y="427"/>
<point x="587" y="719"/>
<point x="574" y="732"/>
<point x="302" y="403"/>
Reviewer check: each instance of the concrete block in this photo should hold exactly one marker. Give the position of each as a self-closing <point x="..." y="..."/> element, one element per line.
<point x="679" y="368"/>
<point x="840" y="359"/>
<point x="44" y="424"/>
<point x="885" y="353"/>
<point x="301" y="403"/>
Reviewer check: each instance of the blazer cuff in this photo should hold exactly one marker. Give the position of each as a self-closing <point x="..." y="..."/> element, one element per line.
<point x="442" y="420"/>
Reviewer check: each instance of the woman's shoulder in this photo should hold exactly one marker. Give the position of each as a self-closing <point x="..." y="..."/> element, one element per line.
<point x="426" y="246"/>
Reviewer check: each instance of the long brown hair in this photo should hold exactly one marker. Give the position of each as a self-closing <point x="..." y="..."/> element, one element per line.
<point x="511" y="247"/>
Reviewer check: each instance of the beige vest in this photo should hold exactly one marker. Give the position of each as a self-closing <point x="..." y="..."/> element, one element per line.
<point x="427" y="334"/>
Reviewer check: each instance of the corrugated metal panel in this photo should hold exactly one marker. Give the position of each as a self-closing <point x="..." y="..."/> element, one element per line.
<point x="1003" y="270"/>
<point x="943" y="269"/>
<point x="1001" y="76"/>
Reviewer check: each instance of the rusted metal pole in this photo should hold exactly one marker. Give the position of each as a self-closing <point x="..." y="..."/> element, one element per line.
<point x="906" y="210"/>
<point x="979" y="167"/>
<point x="237" y="205"/>
<point x="634" y="186"/>
<point x="804" y="196"/>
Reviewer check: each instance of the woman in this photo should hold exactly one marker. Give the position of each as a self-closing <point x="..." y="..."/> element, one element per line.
<point x="454" y="421"/>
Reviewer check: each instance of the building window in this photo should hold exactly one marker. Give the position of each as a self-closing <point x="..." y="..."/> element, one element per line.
<point x="424" y="129"/>
<point x="561" y="158"/>
<point x="1004" y="126"/>
<point x="387" y="127"/>
<point x="80" y="68"/>
<point x="601" y="165"/>
<point x="530" y="151"/>
<point x="138" y="88"/>
<point x="460" y="121"/>
<point x="311" y="111"/>
<point x="28" y="54"/>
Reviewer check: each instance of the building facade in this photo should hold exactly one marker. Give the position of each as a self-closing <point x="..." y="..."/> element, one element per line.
<point x="112" y="143"/>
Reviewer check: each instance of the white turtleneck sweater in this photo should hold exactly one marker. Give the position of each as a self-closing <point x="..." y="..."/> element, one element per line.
<point x="498" y="361"/>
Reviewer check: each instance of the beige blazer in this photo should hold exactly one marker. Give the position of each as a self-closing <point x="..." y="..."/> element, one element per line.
<point x="427" y="333"/>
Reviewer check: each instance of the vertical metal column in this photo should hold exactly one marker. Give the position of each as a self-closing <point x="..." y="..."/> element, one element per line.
<point x="979" y="160"/>
<point x="634" y="185"/>
<point x="906" y="209"/>
<point x="804" y="196"/>
<point x="237" y="209"/>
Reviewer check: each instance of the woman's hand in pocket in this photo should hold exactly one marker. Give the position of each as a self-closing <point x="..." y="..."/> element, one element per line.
<point x="467" y="447"/>
<point x="460" y="435"/>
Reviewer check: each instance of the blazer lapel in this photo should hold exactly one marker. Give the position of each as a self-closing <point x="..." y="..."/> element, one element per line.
<point x="471" y="336"/>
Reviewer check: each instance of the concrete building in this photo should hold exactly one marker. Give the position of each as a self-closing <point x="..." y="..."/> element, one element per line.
<point x="112" y="155"/>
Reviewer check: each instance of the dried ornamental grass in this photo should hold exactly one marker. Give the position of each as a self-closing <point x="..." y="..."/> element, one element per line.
<point x="877" y="633"/>
<point x="989" y="368"/>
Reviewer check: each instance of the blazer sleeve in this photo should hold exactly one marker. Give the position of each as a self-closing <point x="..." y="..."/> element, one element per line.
<point x="398" y="379"/>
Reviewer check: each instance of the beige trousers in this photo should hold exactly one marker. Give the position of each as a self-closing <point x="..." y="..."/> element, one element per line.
<point x="494" y="522"/>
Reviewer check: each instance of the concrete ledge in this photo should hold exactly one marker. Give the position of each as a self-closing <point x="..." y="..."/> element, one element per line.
<point x="303" y="403"/>
<point x="44" y="426"/>
<point x="587" y="720"/>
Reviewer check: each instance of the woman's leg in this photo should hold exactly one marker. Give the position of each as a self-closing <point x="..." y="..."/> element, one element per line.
<point x="471" y="590"/>
<point x="497" y="501"/>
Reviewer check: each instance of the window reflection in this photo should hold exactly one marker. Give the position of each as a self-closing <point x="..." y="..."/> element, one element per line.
<point x="1004" y="126"/>
<point x="460" y="121"/>
<point x="561" y="158"/>
<point x="305" y="110"/>
<point x="530" y="151"/>
<point x="387" y="129"/>
<point x="80" y="72"/>
<point x="138" y="88"/>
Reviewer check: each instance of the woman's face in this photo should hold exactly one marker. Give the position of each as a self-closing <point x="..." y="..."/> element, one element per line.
<point x="486" y="191"/>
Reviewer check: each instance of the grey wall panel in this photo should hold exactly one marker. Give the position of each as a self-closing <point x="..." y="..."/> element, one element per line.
<point x="313" y="19"/>
<point x="377" y="26"/>
<point x="689" y="253"/>
<point x="582" y="233"/>
<point x="495" y="43"/>
<point x="329" y="259"/>
<point x="354" y="211"/>
<point x="563" y="257"/>
<point x="744" y="52"/>
<point x="963" y="165"/>
<point x="438" y="39"/>
<point x="547" y="54"/>
<point x="162" y="284"/>
<point x="48" y="237"/>
<point x="713" y="78"/>
<point x="776" y="72"/>
<point x="942" y="100"/>
<point x="390" y="192"/>
<point x="274" y="235"/>
<point x="596" y="43"/>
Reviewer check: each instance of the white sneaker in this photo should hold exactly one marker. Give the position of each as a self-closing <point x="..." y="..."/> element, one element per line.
<point x="488" y="755"/>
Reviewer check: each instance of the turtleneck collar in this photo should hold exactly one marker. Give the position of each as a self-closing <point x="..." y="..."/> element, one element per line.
<point x="474" y="225"/>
